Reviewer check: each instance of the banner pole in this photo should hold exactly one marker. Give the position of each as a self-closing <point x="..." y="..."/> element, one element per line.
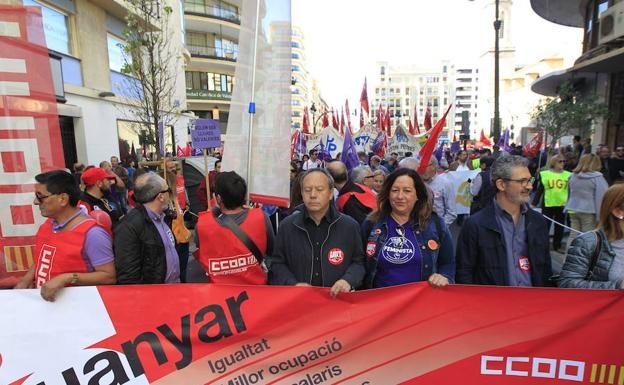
<point x="252" y="104"/>
<point x="207" y="176"/>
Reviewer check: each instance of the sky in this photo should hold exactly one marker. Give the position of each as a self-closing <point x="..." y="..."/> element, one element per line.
<point x="345" y="38"/>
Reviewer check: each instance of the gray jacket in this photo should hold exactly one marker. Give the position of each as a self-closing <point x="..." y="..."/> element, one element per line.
<point x="577" y="264"/>
<point x="586" y="190"/>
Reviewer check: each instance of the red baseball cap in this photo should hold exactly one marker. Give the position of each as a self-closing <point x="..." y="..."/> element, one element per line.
<point x="92" y="175"/>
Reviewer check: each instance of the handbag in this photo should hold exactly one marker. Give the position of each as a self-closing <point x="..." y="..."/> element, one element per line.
<point x="180" y="232"/>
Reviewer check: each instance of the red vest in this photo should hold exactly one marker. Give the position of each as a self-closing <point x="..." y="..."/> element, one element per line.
<point x="180" y="190"/>
<point x="224" y="257"/>
<point x="59" y="253"/>
<point x="367" y="198"/>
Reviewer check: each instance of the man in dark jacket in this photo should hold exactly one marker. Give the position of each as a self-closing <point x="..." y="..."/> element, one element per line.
<point x="317" y="246"/>
<point x="144" y="244"/>
<point x="506" y="243"/>
<point x="354" y="199"/>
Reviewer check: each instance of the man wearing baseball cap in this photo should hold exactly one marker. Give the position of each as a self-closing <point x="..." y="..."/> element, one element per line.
<point x="97" y="182"/>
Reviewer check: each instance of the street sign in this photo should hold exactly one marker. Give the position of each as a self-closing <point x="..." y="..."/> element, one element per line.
<point x="207" y="134"/>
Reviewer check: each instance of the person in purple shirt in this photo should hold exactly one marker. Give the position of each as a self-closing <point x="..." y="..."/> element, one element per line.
<point x="404" y="239"/>
<point x="144" y="244"/>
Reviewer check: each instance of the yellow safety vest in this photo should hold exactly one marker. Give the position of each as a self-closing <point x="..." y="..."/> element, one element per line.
<point x="555" y="187"/>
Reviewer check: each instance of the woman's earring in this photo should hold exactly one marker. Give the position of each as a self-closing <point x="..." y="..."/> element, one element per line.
<point x="620" y="217"/>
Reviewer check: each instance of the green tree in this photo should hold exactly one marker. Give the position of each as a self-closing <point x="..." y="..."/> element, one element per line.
<point x="569" y="113"/>
<point x="151" y="59"/>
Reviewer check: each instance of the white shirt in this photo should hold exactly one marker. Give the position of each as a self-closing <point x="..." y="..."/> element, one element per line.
<point x="311" y="164"/>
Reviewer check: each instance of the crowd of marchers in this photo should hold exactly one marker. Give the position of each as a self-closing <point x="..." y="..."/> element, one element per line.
<point x="379" y="224"/>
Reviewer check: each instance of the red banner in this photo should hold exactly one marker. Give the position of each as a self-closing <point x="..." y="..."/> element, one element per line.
<point x="243" y="335"/>
<point x="30" y="138"/>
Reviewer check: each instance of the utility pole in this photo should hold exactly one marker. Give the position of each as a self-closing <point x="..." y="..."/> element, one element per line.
<point x="496" y="126"/>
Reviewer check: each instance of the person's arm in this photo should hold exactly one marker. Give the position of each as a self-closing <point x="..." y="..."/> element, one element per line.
<point x="128" y="258"/>
<point x="270" y="234"/>
<point x="576" y="266"/>
<point x="446" y="258"/>
<point x="28" y="280"/>
<point x="356" y="271"/>
<point x="279" y="272"/>
<point x="450" y="213"/>
<point x="467" y="252"/>
<point x="103" y="275"/>
<point x="475" y="185"/>
<point x="119" y="183"/>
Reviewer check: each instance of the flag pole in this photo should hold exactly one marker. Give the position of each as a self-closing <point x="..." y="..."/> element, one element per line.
<point x="252" y="104"/>
<point x="207" y="176"/>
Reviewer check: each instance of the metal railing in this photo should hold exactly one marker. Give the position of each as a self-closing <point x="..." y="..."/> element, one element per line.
<point x="213" y="12"/>
<point x="213" y="52"/>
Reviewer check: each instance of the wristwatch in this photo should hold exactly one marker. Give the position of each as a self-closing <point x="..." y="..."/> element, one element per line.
<point x="74" y="279"/>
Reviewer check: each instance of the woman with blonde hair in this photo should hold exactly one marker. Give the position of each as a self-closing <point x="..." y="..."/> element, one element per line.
<point x="586" y="188"/>
<point x="595" y="260"/>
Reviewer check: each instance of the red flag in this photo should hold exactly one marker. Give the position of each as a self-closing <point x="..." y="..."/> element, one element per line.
<point x="531" y="150"/>
<point x="364" y="98"/>
<point x="485" y="140"/>
<point x="325" y="119"/>
<point x="416" y="125"/>
<point x="293" y="142"/>
<point x="306" y="122"/>
<point x="179" y="152"/>
<point x="428" y="124"/>
<point x="387" y="122"/>
<point x="188" y="150"/>
<point x="411" y="128"/>
<point x="427" y="150"/>
<point x="342" y="122"/>
<point x="335" y="119"/>
<point x="361" y="119"/>
<point x="380" y="118"/>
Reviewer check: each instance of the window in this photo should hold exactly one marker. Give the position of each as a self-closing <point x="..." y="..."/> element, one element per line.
<point x="383" y="70"/>
<point x="55" y="26"/>
<point x="295" y="56"/>
<point x="209" y="81"/>
<point x="116" y="55"/>
<point x="294" y="44"/>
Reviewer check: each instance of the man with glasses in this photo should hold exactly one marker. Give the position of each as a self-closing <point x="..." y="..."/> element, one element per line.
<point x="145" y="250"/>
<point x="616" y="166"/>
<point x="71" y="249"/>
<point x="313" y="162"/>
<point x="506" y="243"/>
<point x="97" y="183"/>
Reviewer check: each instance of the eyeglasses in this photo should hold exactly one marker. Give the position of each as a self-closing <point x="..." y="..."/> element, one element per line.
<point x="523" y="182"/>
<point x="41" y="198"/>
<point x="370" y="176"/>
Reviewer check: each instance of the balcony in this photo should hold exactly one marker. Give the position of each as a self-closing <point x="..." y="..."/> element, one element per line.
<point x="210" y="19"/>
<point x="208" y="95"/>
<point x="207" y="52"/>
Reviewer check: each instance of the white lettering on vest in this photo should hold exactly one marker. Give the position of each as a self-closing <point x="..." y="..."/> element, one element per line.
<point x="46" y="258"/>
<point x="231" y="265"/>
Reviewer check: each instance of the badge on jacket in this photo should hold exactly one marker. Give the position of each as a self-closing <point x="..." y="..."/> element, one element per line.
<point x="524" y="264"/>
<point x="335" y="256"/>
<point x="371" y="248"/>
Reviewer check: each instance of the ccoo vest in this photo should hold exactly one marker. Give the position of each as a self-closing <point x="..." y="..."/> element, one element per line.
<point x="555" y="187"/>
<point x="366" y="198"/>
<point x="224" y="257"/>
<point x="59" y="253"/>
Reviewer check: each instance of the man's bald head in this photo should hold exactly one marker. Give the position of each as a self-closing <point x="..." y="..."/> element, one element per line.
<point x="411" y="163"/>
<point x="338" y="171"/>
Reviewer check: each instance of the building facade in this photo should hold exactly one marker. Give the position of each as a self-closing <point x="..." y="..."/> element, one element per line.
<point x="465" y="95"/>
<point x="212" y="30"/>
<point x="404" y="89"/>
<point x="599" y="71"/>
<point x="84" y="40"/>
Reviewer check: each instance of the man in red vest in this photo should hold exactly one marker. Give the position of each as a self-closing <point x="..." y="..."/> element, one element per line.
<point x="354" y="199"/>
<point x="71" y="248"/>
<point x="233" y="240"/>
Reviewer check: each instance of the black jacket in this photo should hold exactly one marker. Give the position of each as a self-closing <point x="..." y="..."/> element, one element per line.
<point x="353" y="207"/>
<point x="102" y="204"/>
<point x="139" y="250"/>
<point x="292" y="258"/>
<point x="481" y="257"/>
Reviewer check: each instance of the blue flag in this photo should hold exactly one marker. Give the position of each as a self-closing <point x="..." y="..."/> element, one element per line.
<point x="349" y="152"/>
<point x="439" y="152"/>
<point x="455" y="147"/>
